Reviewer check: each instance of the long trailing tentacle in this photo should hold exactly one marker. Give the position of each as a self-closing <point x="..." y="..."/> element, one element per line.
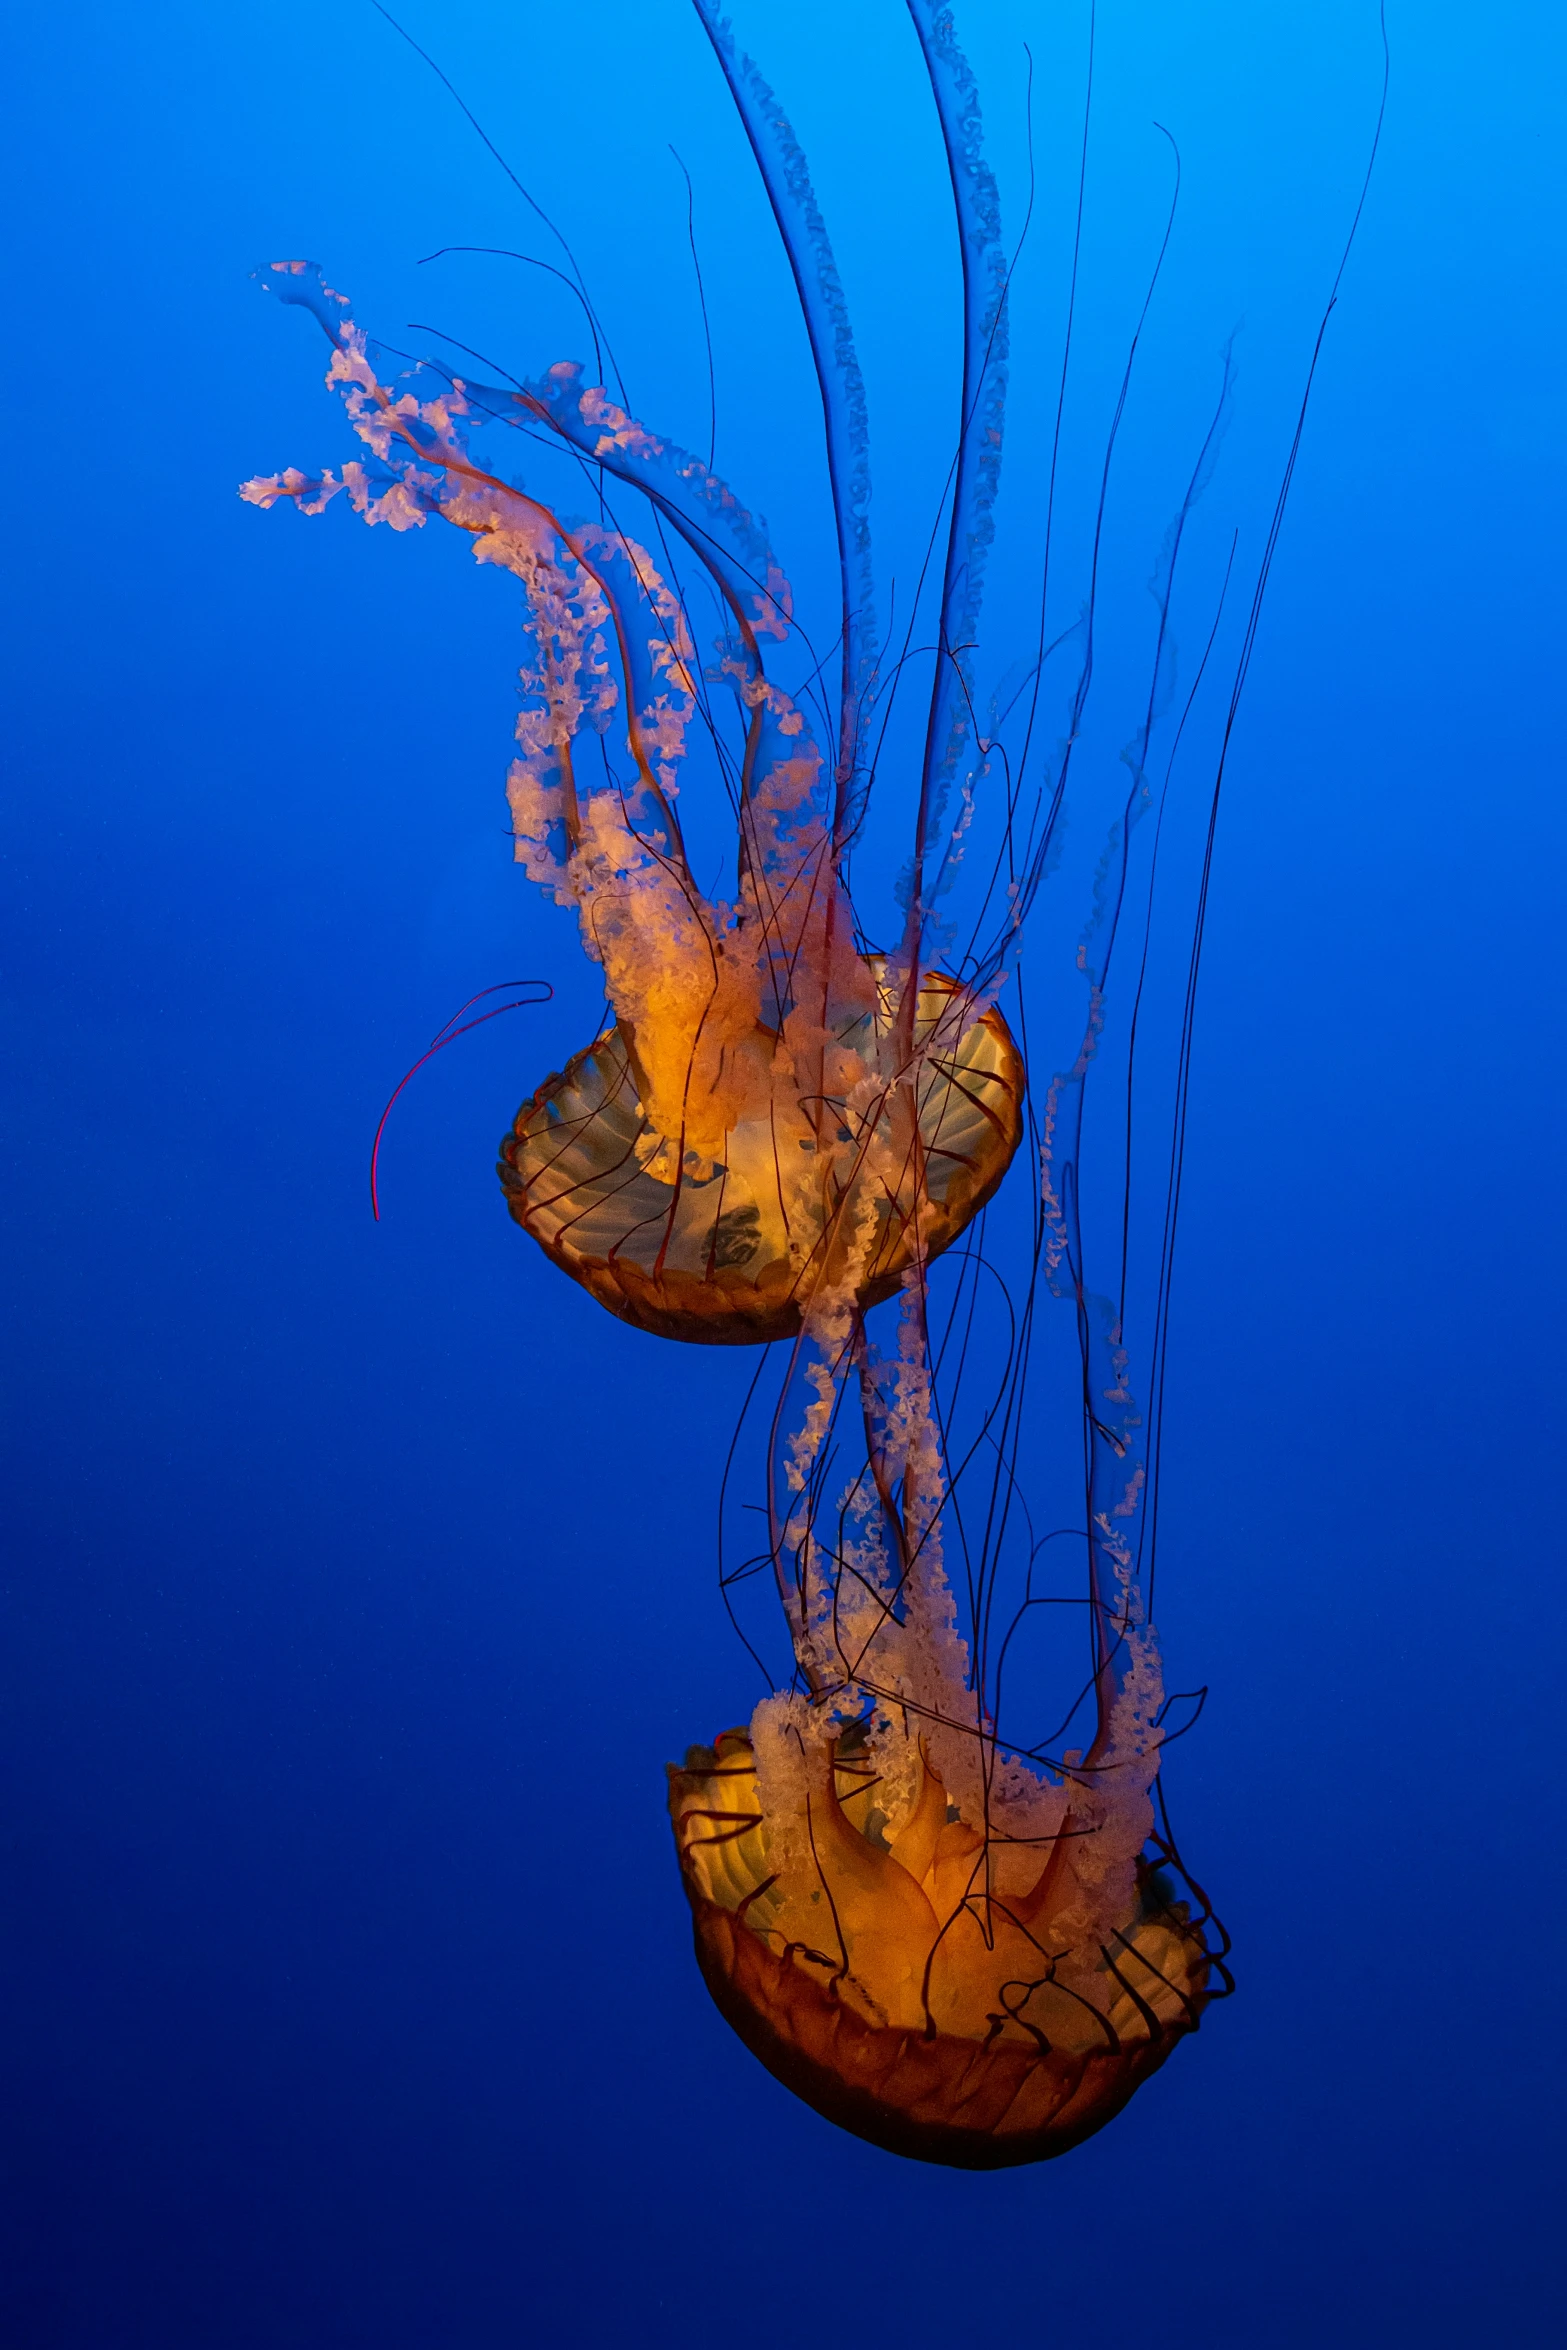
<point x="977" y="469"/>
<point x="842" y="389"/>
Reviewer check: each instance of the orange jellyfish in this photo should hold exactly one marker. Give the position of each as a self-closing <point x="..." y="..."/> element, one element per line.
<point x="967" y="1947"/>
<point x="770" y="1102"/>
<point x="965" y="1950"/>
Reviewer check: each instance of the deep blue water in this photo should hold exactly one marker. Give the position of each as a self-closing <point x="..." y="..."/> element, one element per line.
<point x="359" y="1578"/>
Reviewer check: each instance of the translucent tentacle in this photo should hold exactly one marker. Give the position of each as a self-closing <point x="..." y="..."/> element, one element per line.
<point x="1122" y="1763"/>
<point x="842" y="388"/>
<point x="978" y="464"/>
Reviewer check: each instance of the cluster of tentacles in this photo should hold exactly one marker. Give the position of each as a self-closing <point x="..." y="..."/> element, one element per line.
<point x="960" y="1953"/>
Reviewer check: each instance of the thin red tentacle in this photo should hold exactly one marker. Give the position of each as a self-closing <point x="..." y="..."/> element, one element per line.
<point x="446" y="1034"/>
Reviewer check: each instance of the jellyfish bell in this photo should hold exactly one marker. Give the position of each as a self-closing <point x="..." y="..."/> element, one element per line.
<point x="730" y="1248"/>
<point x="946" y="1992"/>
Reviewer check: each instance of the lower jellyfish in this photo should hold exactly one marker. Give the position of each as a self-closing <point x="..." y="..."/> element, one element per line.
<point x="968" y="1947"/>
<point x="965" y="1953"/>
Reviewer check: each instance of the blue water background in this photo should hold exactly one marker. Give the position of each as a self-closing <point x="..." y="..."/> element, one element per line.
<point x="359" y="1579"/>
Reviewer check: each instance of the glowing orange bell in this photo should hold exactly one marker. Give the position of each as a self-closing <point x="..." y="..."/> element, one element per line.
<point x="919" y="1987"/>
<point x="728" y="1252"/>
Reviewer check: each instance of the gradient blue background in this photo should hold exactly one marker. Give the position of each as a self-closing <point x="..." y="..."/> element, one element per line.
<point x="359" y="1580"/>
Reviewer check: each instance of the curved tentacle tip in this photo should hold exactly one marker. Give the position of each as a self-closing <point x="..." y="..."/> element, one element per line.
<point x="301" y="284"/>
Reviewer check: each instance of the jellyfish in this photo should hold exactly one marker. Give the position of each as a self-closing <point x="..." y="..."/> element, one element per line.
<point x="769" y="1101"/>
<point x="965" y="1955"/>
<point x="966" y="1945"/>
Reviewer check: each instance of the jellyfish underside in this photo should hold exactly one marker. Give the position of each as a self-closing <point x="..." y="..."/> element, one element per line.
<point x="915" y="1980"/>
